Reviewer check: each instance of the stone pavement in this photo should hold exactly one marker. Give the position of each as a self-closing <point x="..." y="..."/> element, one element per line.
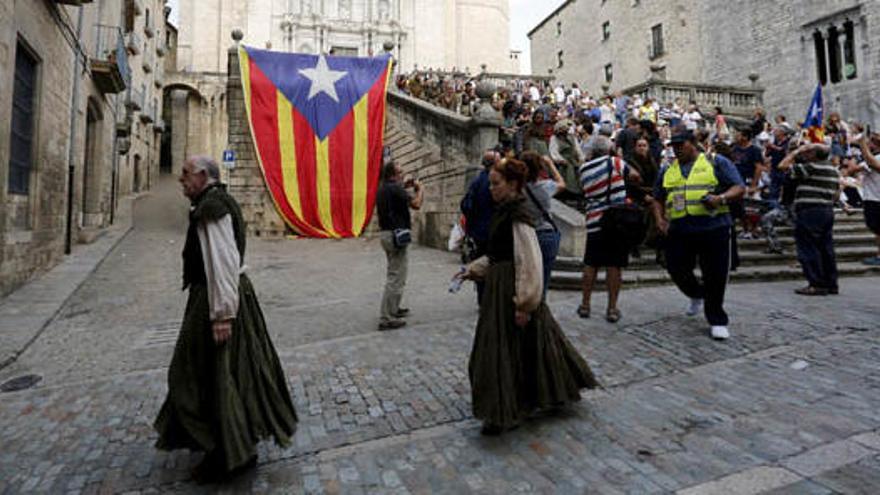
<point x="25" y="313"/>
<point x="789" y="405"/>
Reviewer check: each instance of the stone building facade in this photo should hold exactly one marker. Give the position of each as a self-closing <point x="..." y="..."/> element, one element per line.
<point x="623" y="43"/>
<point x="64" y="127"/>
<point x="618" y="43"/>
<point x="778" y="42"/>
<point x="429" y="33"/>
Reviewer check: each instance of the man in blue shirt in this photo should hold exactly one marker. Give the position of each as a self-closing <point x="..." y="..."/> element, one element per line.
<point x="691" y="207"/>
<point x="477" y="207"/>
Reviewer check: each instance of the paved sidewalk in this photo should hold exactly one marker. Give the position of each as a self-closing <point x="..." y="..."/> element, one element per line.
<point x="29" y="309"/>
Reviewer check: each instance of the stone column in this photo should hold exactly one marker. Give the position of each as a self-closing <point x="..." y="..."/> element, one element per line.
<point x="246" y="179"/>
<point x="486" y="122"/>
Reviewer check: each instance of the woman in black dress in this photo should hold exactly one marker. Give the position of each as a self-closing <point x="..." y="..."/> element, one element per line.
<point x="521" y="361"/>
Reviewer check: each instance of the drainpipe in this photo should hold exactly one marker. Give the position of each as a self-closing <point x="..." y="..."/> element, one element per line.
<point x="71" y="149"/>
<point x="115" y="164"/>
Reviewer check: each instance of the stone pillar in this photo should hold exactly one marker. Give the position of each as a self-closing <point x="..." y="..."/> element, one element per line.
<point x="487" y="121"/>
<point x="245" y="181"/>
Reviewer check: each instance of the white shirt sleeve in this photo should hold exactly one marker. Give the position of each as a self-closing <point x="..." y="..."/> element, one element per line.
<point x="529" y="268"/>
<point x="222" y="267"/>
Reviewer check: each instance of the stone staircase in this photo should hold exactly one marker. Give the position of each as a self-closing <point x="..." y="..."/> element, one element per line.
<point x="853" y="242"/>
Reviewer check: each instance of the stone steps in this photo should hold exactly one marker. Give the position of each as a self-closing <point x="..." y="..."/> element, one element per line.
<point x="747" y="258"/>
<point x="568" y="280"/>
<point x="853" y="242"/>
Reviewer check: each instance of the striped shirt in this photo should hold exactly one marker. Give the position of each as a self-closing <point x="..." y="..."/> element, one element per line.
<point x="818" y="183"/>
<point x="594" y="182"/>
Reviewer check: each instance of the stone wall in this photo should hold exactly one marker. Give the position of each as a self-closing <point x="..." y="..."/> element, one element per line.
<point x="443" y="150"/>
<point x="585" y="53"/>
<point x="774" y="40"/>
<point x="246" y="181"/>
<point x="34" y="226"/>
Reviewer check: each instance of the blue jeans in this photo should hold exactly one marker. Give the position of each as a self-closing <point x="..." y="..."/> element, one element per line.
<point x="548" y="240"/>
<point x="813" y="234"/>
<point x="776" y="180"/>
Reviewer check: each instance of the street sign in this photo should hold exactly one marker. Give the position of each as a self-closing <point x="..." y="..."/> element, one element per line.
<point x="229" y="159"/>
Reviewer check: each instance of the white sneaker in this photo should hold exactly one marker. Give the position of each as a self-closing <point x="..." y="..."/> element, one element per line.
<point x="695" y="307"/>
<point x="720" y="332"/>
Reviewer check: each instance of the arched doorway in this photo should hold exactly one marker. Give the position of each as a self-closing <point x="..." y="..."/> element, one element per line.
<point x="136" y="175"/>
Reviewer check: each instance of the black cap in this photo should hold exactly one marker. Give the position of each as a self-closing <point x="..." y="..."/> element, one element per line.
<point x="681" y="136"/>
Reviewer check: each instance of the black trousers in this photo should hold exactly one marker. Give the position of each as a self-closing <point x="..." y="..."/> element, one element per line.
<point x="712" y="250"/>
<point x="813" y="235"/>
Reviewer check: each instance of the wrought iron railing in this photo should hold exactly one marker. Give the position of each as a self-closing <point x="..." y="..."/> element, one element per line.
<point x="110" y="48"/>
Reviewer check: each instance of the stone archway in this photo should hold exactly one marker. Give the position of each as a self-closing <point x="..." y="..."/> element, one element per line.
<point x="191" y="111"/>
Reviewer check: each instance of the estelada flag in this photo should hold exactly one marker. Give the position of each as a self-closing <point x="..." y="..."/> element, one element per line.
<point x="815" y="122"/>
<point x="317" y="123"/>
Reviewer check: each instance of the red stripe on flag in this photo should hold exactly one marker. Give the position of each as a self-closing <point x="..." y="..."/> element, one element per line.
<point x="376" y="131"/>
<point x="306" y="171"/>
<point x="264" y="112"/>
<point x="341" y="149"/>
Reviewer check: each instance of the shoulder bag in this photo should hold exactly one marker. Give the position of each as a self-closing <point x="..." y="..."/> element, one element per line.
<point x="623" y="223"/>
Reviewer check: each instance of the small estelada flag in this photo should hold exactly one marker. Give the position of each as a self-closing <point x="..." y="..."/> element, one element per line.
<point x="814" y="124"/>
<point x="317" y="123"/>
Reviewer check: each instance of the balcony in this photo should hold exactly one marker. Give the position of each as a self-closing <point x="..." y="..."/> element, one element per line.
<point x="135" y="100"/>
<point x="134" y="43"/>
<point x="76" y="3"/>
<point x="148" y="115"/>
<point x="147" y="61"/>
<point x="157" y="80"/>
<point x="123" y="124"/>
<point x="149" y="31"/>
<point x="160" y="50"/>
<point x="109" y="62"/>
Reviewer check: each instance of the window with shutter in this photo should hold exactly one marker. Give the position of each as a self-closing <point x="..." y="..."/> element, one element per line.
<point x="23" y="115"/>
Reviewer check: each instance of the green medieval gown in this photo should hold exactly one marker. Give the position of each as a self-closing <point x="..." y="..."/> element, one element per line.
<point x="223" y="399"/>
<point x="516" y="371"/>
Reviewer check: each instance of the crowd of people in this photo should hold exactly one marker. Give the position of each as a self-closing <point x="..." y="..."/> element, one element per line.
<point x="618" y="156"/>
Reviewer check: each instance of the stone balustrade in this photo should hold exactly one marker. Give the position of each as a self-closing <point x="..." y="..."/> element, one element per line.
<point x="734" y="100"/>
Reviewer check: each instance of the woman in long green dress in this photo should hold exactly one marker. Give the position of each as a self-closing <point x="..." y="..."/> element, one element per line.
<point x="226" y="387"/>
<point x="521" y="361"/>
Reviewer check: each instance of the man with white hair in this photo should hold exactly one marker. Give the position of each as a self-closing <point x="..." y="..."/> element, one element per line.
<point x="226" y="388"/>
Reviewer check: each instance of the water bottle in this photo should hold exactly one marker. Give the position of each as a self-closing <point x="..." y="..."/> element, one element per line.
<point x="456" y="282"/>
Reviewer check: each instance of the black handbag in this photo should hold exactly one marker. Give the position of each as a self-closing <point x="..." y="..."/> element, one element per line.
<point x="402" y="237"/>
<point x="622" y="223"/>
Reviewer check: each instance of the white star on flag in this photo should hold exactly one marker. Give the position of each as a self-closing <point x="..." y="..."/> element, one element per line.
<point x="323" y="79"/>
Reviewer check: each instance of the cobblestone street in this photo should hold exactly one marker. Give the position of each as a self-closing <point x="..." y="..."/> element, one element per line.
<point x="790" y="404"/>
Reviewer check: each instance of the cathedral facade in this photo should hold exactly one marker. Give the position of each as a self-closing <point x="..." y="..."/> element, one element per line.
<point x="440" y="34"/>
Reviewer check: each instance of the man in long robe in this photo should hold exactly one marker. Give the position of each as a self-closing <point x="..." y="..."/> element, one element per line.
<point x="226" y="387"/>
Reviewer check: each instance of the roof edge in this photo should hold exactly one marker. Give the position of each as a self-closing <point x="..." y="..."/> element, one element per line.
<point x="550" y="16"/>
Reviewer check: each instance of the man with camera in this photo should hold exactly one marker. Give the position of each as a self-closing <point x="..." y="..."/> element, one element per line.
<point x="393" y="202"/>
<point x="691" y="207"/>
<point x="818" y="187"/>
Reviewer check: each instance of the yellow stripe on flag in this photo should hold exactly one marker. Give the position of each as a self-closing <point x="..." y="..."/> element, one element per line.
<point x="288" y="154"/>
<point x="360" y="163"/>
<point x="322" y="166"/>
<point x="244" y="65"/>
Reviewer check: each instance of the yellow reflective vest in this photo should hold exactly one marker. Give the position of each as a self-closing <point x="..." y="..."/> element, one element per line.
<point x="684" y="196"/>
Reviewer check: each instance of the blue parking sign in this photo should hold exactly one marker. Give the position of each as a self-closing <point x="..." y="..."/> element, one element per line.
<point x="229" y="159"/>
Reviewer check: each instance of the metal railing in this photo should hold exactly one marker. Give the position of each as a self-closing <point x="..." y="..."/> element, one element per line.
<point x="110" y="48"/>
<point x="135" y="100"/>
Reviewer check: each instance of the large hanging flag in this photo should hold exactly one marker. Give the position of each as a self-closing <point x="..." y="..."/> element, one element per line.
<point x="814" y="124"/>
<point x="317" y="123"/>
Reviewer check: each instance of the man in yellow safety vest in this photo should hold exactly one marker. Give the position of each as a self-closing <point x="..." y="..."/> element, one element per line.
<point x="691" y="207"/>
